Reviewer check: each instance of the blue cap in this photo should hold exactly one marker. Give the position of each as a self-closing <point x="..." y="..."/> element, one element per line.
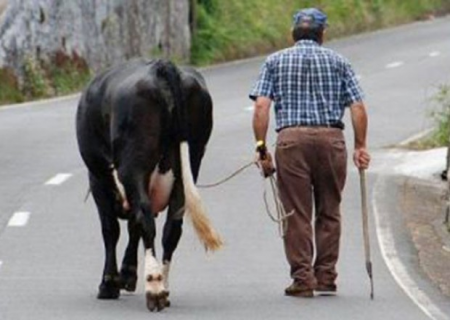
<point x="310" y="18"/>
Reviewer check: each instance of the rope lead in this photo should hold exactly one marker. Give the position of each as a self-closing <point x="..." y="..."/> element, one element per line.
<point x="280" y="217"/>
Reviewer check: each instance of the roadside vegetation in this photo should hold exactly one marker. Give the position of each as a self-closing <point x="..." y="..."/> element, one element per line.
<point x="233" y="29"/>
<point x="43" y="79"/>
<point x="224" y="31"/>
<point x="440" y="115"/>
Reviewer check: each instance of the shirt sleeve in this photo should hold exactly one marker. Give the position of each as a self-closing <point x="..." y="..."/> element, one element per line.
<point x="264" y="85"/>
<point x="352" y="90"/>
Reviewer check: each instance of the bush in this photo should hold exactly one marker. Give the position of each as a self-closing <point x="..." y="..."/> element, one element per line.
<point x="9" y="90"/>
<point x="62" y="74"/>
<point x="67" y="73"/>
<point x="441" y="116"/>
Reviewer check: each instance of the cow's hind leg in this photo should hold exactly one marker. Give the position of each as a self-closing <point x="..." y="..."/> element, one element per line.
<point x="156" y="295"/>
<point x="107" y="205"/>
<point x="172" y="229"/>
<point x="128" y="271"/>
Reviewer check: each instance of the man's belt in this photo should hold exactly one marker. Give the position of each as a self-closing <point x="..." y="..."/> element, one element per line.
<point x="337" y="125"/>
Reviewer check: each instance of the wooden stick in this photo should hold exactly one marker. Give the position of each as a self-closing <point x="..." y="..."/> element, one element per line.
<point x="365" y="221"/>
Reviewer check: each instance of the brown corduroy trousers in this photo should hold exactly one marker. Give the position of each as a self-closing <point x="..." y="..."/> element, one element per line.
<point x="311" y="170"/>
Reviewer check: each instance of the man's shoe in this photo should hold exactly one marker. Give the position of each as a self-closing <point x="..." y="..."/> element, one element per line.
<point x="326" y="289"/>
<point x="297" y="290"/>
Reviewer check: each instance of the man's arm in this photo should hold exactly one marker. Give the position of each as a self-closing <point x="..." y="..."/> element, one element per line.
<point x="361" y="157"/>
<point x="261" y="118"/>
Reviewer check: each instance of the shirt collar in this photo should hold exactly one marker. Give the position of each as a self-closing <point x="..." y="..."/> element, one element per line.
<point x="310" y="43"/>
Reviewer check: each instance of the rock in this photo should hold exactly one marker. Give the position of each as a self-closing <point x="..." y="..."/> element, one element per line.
<point x="100" y="32"/>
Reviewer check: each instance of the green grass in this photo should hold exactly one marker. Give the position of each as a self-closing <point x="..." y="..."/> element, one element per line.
<point x="440" y="114"/>
<point x="61" y="75"/>
<point x="9" y="90"/>
<point x="233" y="29"/>
<point x="35" y="83"/>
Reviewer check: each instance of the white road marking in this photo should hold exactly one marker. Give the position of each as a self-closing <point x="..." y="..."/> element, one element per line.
<point x="395" y="64"/>
<point x="41" y="102"/>
<point x="251" y="108"/>
<point x="395" y="265"/>
<point x="358" y="77"/>
<point x="58" y="179"/>
<point x="1" y="263"/>
<point x="435" y="54"/>
<point x="19" y="219"/>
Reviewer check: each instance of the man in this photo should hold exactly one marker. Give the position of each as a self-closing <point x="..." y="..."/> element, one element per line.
<point x="310" y="86"/>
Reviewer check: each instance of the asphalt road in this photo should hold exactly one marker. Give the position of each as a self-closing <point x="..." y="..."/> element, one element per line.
<point x="51" y="253"/>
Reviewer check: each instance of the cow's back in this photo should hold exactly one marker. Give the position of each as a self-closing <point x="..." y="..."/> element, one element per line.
<point x="96" y="107"/>
<point x="139" y="96"/>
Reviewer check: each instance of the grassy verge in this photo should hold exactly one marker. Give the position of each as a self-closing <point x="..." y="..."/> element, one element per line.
<point x="234" y="29"/>
<point x="42" y="79"/>
<point x="439" y="136"/>
<point x="9" y="90"/>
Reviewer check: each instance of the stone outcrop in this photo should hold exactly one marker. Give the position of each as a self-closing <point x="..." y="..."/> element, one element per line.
<point x="99" y="32"/>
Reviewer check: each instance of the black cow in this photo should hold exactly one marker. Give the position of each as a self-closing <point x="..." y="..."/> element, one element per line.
<point x="142" y="128"/>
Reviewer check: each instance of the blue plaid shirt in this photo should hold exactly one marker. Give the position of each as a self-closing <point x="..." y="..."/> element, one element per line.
<point x="309" y="84"/>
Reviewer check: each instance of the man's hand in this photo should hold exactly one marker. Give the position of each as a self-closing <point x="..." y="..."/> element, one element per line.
<point x="265" y="164"/>
<point x="264" y="160"/>
<point x="361" y="158"/>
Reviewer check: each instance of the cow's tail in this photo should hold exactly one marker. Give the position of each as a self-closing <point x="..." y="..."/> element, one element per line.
<point x="193" y="203"/>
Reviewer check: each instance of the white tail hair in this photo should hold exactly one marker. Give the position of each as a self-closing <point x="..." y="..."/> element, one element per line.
<point x="194" y="205"/>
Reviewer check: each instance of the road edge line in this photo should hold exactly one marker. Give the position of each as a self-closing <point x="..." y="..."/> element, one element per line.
<point x="36" y="103"/>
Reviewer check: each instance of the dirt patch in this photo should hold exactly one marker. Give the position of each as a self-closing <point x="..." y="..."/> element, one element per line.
<point x="423" y="204"/>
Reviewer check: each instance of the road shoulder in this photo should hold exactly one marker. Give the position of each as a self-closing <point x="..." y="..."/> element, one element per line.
<point x="409" y="210"/>
<point x="423" y="202"/>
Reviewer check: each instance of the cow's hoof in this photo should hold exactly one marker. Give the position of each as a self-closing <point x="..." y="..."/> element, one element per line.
<point x="129" y="285"/>
<point x="128" y="279"/>
<point x="108" y="290"/>
<point x="157" y="302"/>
